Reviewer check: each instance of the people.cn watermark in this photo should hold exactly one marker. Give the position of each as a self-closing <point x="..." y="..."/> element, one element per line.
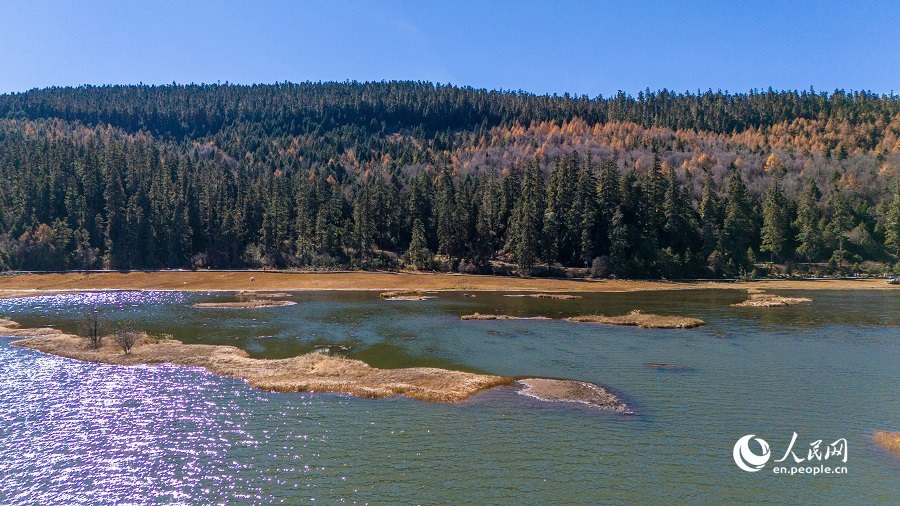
<point x="752" y="453"/>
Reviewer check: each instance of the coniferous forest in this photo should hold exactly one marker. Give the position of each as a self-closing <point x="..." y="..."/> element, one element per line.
<point x="411" y="175"/>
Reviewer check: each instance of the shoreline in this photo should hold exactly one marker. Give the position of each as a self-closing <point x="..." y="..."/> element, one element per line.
<point x="25" y="285"/>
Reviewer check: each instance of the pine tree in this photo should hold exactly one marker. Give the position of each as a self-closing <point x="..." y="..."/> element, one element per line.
<point x="115" y="230"/>
<point x="328" y="219"/>
<point x="487" y="225"/>
<point x="808" y="224"/>
<point x="444" y="215"/>
<point x="776" y="226"/>
<point x="420" y="206"/>
<point x="363" y="221"/>
<point x="525" y="225"/>
<point x="840" y="223"/>
<point x="892" y="222"/>
<point x="550" y="237"/>
<point x="618" y="242"/>
<point x="417" y="253"/>
<point x="737" y="228"/>
<point x="679" y="220"/>
<point x="305" y="206"/>
<point x="586" y="207"/>
<point x="607" y="200"/>
<point x="710" y="220"/>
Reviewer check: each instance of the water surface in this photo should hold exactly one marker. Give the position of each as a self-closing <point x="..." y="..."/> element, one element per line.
<point x="73" y="432"/>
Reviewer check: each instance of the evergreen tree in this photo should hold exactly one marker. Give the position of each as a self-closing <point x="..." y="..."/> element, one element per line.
<point x="776" y="225"/>
<point x="808" y="224"/>
<point x="737" y="227"/>
<point x="618" y="242"/>
<point x="679" y="225"/>
<point x="607" y="200"/>
<point x="840" y="223"/>
<point x="418" y="254"/>
<point x="328" y="220"/>
<point x="487" y="225"/>
<point x="892" y="219"/>
<point x="710" y="220"/>
<point x="525" y="225"/>
<point x="586" y="207"/>
<point x="363" y="221"/>
<point x="444" y="214"/>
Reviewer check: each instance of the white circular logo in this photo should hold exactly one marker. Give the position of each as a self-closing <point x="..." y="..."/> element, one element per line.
<point x="744" y="456"/>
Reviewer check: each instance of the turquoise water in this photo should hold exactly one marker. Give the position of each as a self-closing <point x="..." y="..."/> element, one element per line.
<point x="73" y="432"/>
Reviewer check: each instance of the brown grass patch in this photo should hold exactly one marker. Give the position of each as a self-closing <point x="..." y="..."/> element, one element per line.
<point x="254" y="295"/>
<point x="479" y="316"/>
<point x="394" y="294"/>
<point x="315" y="372"/>
<point x="890" y="441"/>
<point x="643" y="320"/>
<point x="13" y="329"/>
<point x="37" y="284"/>
<point x="758" y="298"/>
<point x="573" y="391"/>
<point x="246" y="304"/>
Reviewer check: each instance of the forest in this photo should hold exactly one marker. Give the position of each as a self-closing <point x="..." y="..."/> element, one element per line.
<point x="413" y="175"/>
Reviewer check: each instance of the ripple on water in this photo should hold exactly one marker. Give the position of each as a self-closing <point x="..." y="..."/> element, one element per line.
<point x="67" y="302"/>
<point x="108" y="434"/>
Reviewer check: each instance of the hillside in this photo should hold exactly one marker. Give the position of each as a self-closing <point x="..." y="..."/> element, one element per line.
<point x="412" y="175"/>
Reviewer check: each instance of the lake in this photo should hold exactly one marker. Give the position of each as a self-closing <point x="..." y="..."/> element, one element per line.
<point x="73" y="432"/>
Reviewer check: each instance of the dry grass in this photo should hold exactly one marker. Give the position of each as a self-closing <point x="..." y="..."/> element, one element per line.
<point x="758" y="298"/>
<point x="13" y="329"/>
<point x="479" y="316"/>
<point x="403" y="294"/>
<point x="254" y="295"/>
<point x="643" y="320"/>
<point x="246" y="304"/>
<point x="573" y="391"/>
<point x="36" y="284"/>
<point x="315" y="372"/>
<point x="890" y="441"/>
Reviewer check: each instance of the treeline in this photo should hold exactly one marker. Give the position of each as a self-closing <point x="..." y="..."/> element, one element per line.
<point x="190" y="111"/>
<point x="409" y="175"/>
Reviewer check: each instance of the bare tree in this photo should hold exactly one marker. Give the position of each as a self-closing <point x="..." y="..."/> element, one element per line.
<point x="91" y="328"/>
<point x="126" y="337"/>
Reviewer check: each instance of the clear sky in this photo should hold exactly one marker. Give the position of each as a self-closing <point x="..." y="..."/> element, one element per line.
<point x="587" y="47"/>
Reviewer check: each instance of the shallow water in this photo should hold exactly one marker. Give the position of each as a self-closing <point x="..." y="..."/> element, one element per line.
<point x="73" y="432"/>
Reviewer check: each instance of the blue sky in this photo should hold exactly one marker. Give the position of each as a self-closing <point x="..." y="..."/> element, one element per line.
<point x="542" y="47"/>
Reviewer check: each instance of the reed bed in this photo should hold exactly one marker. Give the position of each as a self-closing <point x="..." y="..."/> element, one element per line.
<point x="759" y="298"/>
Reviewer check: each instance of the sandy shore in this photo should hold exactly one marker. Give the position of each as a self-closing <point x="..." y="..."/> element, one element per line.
<point x="31" y="284"/>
